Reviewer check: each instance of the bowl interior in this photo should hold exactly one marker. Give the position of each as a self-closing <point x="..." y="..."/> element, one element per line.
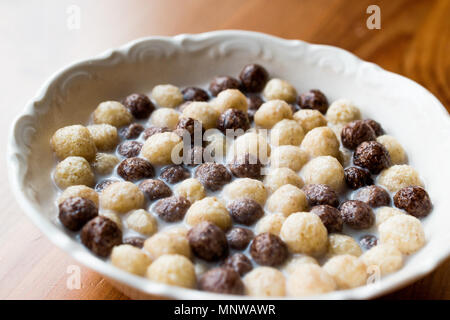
<point x="406" y="111"/>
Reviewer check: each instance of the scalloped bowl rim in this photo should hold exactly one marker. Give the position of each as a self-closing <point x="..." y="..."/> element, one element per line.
<point x="158" y="289"/>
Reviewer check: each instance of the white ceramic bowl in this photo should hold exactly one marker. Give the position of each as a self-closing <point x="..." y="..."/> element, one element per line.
<point x="405" y="109"/>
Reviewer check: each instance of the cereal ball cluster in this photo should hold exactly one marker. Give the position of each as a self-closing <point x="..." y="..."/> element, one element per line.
<point x="105" y="136"/>
<point x="309" y="119"/>
<point x="321" y="142"/>
<point x="246" y="188"/>
<point x="130" y="259"/>
<point x="271" y="112"/>
<point x="173" y="269"/>
<point x="286" y="132"/>
<point x="167" y="95"/>
<point x="277" y="89"/>
<point x="308" y="280"/>
<point x="158" y="148"/>
<point x="113" y="113"/>
<point x="122" y="197"/>
<point x="73" y="171"/>
<point x="287" y="199"/>
<point x="265" y="282"/>
<point x="73" y="141"/>
<point x="324" y="170"/>
<point x="209" y="209"/>
<point x="398" y="177"/>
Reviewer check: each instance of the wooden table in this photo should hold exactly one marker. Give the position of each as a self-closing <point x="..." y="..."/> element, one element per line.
<point x="37" y="39"/>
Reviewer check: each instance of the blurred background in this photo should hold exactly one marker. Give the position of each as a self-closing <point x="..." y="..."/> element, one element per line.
<point x="39" y="37"/>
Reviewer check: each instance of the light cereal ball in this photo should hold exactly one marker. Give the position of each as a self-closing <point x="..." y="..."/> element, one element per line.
<point x="321" y="142"/>
<point x="130" y="259"/>
<point x="384" y="213"/>
<point x="173" y="269"/>
<point x="203" y="112"/>
<point x="309" y="279"/>
<point x="79" y="191"/>
<point x="277" y="89"/>
<point x="114" y="217"/>
<point x="141" y="221"/>
<point x="339" y="244"/>
<point x="73" y="141"/>
<point x="113" y="113"/>
<point x="287" y="199"/>
<point x="270" y="223"/>
<point x="104" y="163"/>
<point x="297" y="261"/>
<point x="304" y="233"/>
<point x="398" y="177"/>
<point x="253" y="143"/>
<point x="246" y="188"/>
<point x="271" y="112"/>
<point x="291" y="157"/>
<point x="166" y="242"/>
<point x="287" y="132"/>
<point x="347" y="271"/>
<point x="395" y="149"/>
<point x="324" y="170"/>
<point x="165" y="117"/>
<point x="230" y="99"/>
<point x="167" y="95"/>
<point x="278" y="177"/>
<point x="342" y="111"/>
<point x="158" y="148"/>
<point x="404" y="232"/>
<point x="73" y="171"/>
<point x="104" y="135"/>
<point x="310" y="119"/>
<point x="386" y="257"/>
<point x="265" y="282"/>
<point x="122" y="197"/>
<point x="179" y="231"/>
<point x="191" y="189"/>
<point x="209" y="209"/>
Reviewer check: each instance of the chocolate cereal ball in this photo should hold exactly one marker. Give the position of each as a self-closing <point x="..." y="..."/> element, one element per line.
<point x="356" y="132"/>
<point x="386" y="257"/>
<point x="155" y="189"/>
<point x="265" y="282"/>
<point x="221" y="280"/>
<point x="287" y="132"/>
<point x="158" y="148"/>
<point x="308" y="280"/>
<point x="313" y="99"/>
<point x="268" y="249"/>
<point x="73" y="140"/>
<point x="271" y="112"/>
<point x="339" y="244"/>
<point x="342" y="111"/>
<point x="129" y="149"/>
<point x="104" y="163"/>
<point x="133" y="131"/>
<point x="203" y="112"/>
<point x="277" y="89"/>
<point x="395" y="149"/>
<point x="143" y="222"/>
<point x="324" y="170"/>
<point x="165" y="118"/>
<point x="246" y="166"/>
<point x="73" y="171"/>
<point x="139" y="105"/>
<point x="113" y="113"/>
<point x="122" y="197"/>
<point x="174" y="173"/>
<point x="305" y="233"/>
<point x="100" y="235"/>
<point x="253" y="77"/>
<point x="104" y="135"/>
<point x="172" y="209"/>
<point x="376" y="127"/>
<point x="239" y="238"/>
<point x="188" y="127"/>
<point x="321" y="142"/>
<point x="357" y="214"/>
<point x="133" y="169"/>
<point x="209" y="209"/>
<point x="320" y="194"/>
<point x="167" y="95"/>
<point x="330" y="216"/>
<point x="130" y="259"/>
<point x="173" y="269"/>
<point x="372" y="156"/>
<point x="414" y="200"/>
<point x="246" y="188"/>
<point x="79" y="191"/>
<point x="356" y="178"/>
<point x="194" y="94"/>
<point x="230" y="99"/>
<point x="154" y="130"/>
<point x="404" y="232"/>
<point x="347" y="271"/>
<point x="212" y="175"/>
<point x="233" y="119"/>
<point x="398" y="177"/>
<point x="208" y="241"/>
<point x="368" y="241"/>
<point x="287" y="199"/>
<point x="239" y="262"/>
<point x="167" y="242"/>
<point x="291" y="157"/>
<point x="222" y="83"/>
<point x="270" y="223"/>
<point x="74" y="212"/>
<point x="245" y="211"/>
<point x="374" y="196"/>
<point x="190" y="189"/>
<point x="309" y="119"/>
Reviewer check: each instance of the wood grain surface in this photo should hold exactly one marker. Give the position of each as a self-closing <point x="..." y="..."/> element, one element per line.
<point x="414" y="40"/>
